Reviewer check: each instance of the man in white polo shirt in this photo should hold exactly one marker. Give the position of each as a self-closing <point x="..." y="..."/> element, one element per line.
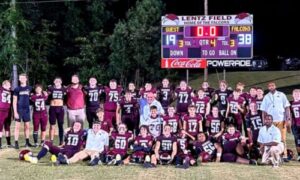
<point x="97" y="141"/>
<point x="269" y="139"/>
<point x="276" y="104"/>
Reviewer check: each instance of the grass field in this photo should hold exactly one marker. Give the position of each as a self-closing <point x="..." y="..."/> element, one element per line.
<point x="12" y="168"/>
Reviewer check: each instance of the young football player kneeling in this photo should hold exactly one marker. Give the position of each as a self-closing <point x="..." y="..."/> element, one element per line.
<point x="121" y="142"/>
<point x="165" y="149"/>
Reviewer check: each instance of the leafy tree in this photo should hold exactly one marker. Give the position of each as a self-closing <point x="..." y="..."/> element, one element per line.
<point x="135" y="43"/>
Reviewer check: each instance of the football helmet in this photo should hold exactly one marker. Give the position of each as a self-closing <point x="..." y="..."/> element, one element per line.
<point x="23" y="153"/>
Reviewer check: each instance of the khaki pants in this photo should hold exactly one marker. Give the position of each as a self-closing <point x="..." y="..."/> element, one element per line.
<point x="75" y="115"/>
<point x="84" y="154"/>
<point x="282" y="128"/>
<point x="272" y="154"/>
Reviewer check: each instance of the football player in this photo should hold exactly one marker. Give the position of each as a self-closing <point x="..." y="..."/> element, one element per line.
<point x="5" y="111"/>
<point x="221" y="96"/>
<point x="295" y="109"/>
<point x="154" y="122"/>
<point x="184" y="157"/>
<point x="39" y="114"/>
<point x="113" y="95"/>
<point x="74" y="139"/>
<point x="184" y="96"/>
<point x="92" y="92"/>
<point x="165" y="148"/>
<point x="232" y="143"/>
<point x="142" y="147"/>
<point x="21" y="107"/>
<point x="105" y="125"/>
<point x="208" y="91"/>
<point x="56" y="94"/>
<point x="253" y="123"/>
<point x="147" y="89"/>
<point x="192" y="123"/>
<point x="260" y="97"/>
<point x="207" y="149"/>
<point x="121" y="139"/>
<point x="172" y="119"/>
<point x="235" y="108"/>
<point x="126" y="112"/>
<point x="134" y="92"/>
<point x="215" y="124"/>
<point x="165" y="94"/>
<point x="202" y="103"/>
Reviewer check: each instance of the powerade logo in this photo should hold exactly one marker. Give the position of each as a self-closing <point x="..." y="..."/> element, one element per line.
<point x="229" y="63"/>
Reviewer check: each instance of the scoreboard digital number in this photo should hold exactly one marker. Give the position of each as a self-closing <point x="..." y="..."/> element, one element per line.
<point x="207" y="37"/>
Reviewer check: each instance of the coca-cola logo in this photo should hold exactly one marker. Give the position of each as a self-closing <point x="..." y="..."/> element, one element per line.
<point x="186" y="63"/>
<point x="183" y="63"/>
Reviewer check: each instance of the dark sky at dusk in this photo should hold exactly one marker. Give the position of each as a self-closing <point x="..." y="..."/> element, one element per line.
<point x="275" y="31"/>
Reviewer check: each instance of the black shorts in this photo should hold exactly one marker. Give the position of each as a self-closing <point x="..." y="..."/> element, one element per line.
<point x="296" y="133"/>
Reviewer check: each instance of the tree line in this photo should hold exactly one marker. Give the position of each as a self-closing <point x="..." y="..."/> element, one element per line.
<point x="102" y="38"/>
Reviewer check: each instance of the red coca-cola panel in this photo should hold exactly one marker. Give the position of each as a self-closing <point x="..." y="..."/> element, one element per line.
<point x="187" y="63"/>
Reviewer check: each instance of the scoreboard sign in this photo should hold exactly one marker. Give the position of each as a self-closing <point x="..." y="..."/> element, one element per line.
<point x="197" y="38"/>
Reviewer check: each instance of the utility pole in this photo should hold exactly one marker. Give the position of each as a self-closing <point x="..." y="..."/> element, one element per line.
<point x="205" y="13"/>
<point x="14" y="36"/>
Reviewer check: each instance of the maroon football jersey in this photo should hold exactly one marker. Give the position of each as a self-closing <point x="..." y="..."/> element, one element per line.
<point x="128" y="107"/>
<point x="112" y="97"/>
<point x="144" y="92"/>
<point x="144" y="141"/>
<point x="183" y="100"/>
<point x="39" y="102"/>
<point x="173" y="121"/>
<point x="192" y="124"/>
<point x="5" y="98"/>
<point x="254" y="122"/>
<point x="207" y="146"/>
<point x="214" y="124"/>
<point x="106" y="125"/>
<point x="295" y="109"/>
<point x="166" y="143"/>
<point x="233" y="104"/>
<point x="182" y="144"/>
<point x="201" y="104"/>
<point x="121" y="142"/>
<point x="73" y="140"/>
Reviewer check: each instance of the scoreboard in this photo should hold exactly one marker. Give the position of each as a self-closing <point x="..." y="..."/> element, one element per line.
<point x="206" y="37"/>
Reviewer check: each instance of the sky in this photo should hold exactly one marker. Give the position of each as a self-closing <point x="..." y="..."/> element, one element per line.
<point x="275" y="31"/>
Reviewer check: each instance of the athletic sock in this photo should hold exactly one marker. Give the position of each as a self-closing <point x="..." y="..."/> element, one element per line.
<point x="0" y="142"/>
<point x="27" y="141"/>
<point x="60" y="133"/>
<point x="35" y="137"/>
<point x="8" y="140"/>
<point x="42" y="153"/>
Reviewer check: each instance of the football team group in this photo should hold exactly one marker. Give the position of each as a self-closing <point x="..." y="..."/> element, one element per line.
<point x="127" y="126"/>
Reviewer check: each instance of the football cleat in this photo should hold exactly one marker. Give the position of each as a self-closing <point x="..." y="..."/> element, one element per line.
<point x="290" y="154"/>
<point x="112" y="162"/>
<point x="27" y="145"/>
<point x="298" y="159"/>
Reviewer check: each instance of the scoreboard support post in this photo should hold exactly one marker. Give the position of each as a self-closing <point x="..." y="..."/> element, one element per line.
<point x="187" y="76"/>
<point x="205" y="13"/>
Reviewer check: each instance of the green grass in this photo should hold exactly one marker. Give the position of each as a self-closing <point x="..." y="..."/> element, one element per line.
<point x="12" y="168"/>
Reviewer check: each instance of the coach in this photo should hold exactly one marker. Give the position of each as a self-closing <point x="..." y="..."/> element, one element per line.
<point x="145" y="113"/>
<point x="75" y="101"/>
<point x="277" y="105"/>
<point x="269" y="139"/>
